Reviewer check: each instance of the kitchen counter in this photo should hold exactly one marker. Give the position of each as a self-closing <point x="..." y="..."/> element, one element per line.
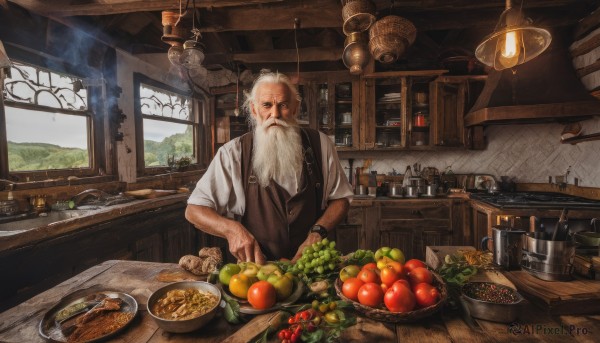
<point x="11" y="239"/>
<point x="139" y="279"/>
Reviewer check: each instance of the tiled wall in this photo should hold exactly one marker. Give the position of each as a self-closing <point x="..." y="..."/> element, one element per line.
<point x="530" y="153"/>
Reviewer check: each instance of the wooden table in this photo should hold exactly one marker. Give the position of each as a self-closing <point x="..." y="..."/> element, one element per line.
<point x="20" y="323"/>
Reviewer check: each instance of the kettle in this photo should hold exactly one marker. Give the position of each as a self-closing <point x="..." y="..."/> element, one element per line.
<point x="507" y="244"/>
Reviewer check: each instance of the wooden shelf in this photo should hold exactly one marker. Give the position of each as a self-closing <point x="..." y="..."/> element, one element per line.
<point x="582" y="138"/>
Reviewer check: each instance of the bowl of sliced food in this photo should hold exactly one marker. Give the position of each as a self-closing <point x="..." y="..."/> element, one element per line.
<point x="184" y="306"/>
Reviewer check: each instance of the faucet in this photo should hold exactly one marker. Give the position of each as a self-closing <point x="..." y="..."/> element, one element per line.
<point x="98" y="194"/>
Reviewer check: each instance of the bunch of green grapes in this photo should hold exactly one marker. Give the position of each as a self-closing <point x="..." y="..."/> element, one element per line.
<point x="361" y="257"/>
<point x="319" y="258"/>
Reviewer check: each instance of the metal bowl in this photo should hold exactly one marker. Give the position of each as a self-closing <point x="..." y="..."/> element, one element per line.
<point x="496" y="312"/>
<point x="187" y="325"/>
<point x="588" y="239"/>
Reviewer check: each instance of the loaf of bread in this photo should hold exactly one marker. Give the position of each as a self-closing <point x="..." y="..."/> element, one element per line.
<point x="208" y="261"/>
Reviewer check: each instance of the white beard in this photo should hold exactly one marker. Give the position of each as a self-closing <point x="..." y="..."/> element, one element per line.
<point x="277" y="151"/>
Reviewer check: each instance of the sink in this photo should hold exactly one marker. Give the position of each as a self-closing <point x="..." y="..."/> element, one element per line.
<point x="51" y="217"/>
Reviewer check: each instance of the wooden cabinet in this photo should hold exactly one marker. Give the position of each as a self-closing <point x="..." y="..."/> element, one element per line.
<point x="451" y="99"/>
<point x="330" y="105"/>
<point x="409" y="225"/>
<point x="418" y="110"/>
<point x="228" y="117"/>
<point x="161" y="235"/>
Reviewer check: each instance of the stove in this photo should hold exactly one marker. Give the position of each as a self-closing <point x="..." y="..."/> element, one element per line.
<point x="535" y="200"/>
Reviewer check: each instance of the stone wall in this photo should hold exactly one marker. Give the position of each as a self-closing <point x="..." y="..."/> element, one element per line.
<point x="530" y="153"/>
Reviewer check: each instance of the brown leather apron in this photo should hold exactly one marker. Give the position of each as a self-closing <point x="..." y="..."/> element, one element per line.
<point x="279" y="222"/>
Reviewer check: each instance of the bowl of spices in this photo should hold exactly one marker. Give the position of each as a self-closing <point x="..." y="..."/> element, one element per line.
<point x="491" y="301"/>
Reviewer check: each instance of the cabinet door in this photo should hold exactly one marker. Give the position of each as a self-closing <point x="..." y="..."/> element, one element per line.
<point x="452" y="97"/>
<point x="385" y="113"/>
<point x="449" y="109"/>
<point x="415" y="225"/>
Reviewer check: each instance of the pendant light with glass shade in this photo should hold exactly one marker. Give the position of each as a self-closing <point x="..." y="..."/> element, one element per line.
<point x="192" y="55"/>
<point x="514" y="40"/>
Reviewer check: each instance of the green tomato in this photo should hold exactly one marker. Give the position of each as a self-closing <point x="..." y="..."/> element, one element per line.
<point x="227" y="271"/>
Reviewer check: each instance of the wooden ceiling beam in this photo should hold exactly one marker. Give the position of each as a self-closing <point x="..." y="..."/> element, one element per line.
<point x="289" y="55"/>
<point x="67" y="8"/>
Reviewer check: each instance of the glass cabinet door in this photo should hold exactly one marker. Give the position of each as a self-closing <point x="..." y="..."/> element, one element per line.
<point x="419" y="112"/>
<point x="343" y="118"/>
<point x="390" y="103"/>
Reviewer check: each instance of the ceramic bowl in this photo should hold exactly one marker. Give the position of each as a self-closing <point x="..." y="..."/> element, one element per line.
<point x="187" y="325"/>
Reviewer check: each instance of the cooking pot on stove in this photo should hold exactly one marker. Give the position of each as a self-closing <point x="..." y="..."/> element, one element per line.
<point x="507" y="245"/>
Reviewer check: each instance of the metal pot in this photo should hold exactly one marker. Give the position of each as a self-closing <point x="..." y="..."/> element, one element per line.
<point x="507" y="247"/>
<point x="412" y="191"/>
<point x="504" y="313"/>
<point x="430" y="190"/>
<point x="9" y="207"/>
<point x="395" y="189"/>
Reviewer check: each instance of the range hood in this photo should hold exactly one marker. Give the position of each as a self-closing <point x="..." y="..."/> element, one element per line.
<point x="545" y="89"/>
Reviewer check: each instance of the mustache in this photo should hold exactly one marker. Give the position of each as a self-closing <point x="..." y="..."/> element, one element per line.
<point x="272" y="120"/>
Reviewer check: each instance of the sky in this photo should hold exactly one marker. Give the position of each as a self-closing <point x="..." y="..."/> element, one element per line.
<point x="27" y="126"/>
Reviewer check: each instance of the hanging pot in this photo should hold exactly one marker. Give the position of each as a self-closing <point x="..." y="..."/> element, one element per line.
<point x="358" y="16"/>
<point x="356" y="54"/>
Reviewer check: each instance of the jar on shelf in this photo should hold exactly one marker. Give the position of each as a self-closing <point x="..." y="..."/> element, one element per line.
<point x="420" y="119"/>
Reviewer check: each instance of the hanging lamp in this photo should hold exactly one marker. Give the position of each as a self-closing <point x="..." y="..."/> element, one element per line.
<point x="514" y="40"/>
<point x="193" y="50"/>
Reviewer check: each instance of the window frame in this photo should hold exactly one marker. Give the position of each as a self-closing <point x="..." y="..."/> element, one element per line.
<point x="94" y="120"/>
<point x="196" y="122"/>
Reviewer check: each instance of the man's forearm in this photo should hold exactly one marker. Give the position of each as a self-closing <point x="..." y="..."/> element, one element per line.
<point x="334" y="213"/>
<point x="208" y="220"/>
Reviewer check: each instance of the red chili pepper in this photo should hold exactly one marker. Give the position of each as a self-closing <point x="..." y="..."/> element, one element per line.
<point x="294" y="338"/>
<point x="292" y="320"/>
<point x="298" y="330"/>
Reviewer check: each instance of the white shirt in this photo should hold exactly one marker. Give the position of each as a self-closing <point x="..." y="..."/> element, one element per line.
<point x="222" y="187"/>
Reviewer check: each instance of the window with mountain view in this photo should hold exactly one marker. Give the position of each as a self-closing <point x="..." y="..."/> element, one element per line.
<point x="47" y="120"/>
<point x="168" y="123"/>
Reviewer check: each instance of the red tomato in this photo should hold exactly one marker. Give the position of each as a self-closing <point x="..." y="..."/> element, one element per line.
<point x="419" y="275"/>
<point x="400" y="283"/>
<point x="350" y="288"/>
<point x="399" y="299"/>
<point x="262" y="295"/>
<point x="368" y="275"/>
<point x="384" y="287"/>
<point x="412" y="264"/>
<point x="426" y="294"/>
<point x="397" y="267"/>
<point x="388" y="275"/>
<point x="371" y="265"/>
<point x="370" y="294"/>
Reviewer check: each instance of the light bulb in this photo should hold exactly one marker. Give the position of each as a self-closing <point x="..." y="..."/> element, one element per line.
<point x="510" y="45"/>
<point x="509" y="50"/>
<point x="174" y="54"/>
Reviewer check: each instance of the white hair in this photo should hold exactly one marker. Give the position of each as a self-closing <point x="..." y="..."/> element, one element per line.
<point x="267" y="76"/>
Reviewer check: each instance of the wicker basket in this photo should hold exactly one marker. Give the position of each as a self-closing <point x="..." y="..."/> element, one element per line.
<point x="383" y="315"/>
<point x="387" y="48"/>
<point x="394" y="25"/>
<point x="358" y="16"/>
<point x="389" y="38"/>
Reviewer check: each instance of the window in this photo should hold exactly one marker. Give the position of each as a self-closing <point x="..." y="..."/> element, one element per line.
<point x="166" y="127"/>
<point x="48" y="122"/>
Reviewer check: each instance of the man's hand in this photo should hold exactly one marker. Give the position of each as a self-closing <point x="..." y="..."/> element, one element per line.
<point x="313" y="237"/>
<point x="244" y="246"/>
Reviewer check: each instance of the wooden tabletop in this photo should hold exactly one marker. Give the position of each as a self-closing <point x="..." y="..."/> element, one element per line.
<point x="139" y="279"/>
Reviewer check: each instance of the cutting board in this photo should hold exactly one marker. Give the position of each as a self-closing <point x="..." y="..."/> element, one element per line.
<point x="150" y="193"/>
<point x="579" y="296"/>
